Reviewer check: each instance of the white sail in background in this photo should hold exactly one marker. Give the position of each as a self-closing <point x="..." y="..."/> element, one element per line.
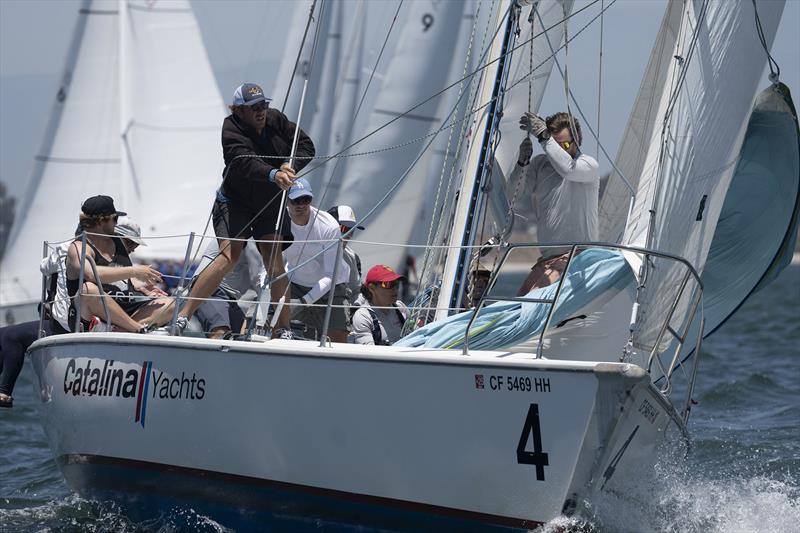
<point x="347" y="96"/>
<point x="694" y="147"/>
<point x="418" y="69"/>
<point x="80" y="154"/>
<point x="321" y="116"/>
<point x="289" y="58"/>
<point x="170" y="131"/>
<point x="168" y="139"/>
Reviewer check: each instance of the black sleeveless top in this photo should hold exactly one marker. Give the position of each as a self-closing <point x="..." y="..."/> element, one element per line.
<point x="117" y="289"/>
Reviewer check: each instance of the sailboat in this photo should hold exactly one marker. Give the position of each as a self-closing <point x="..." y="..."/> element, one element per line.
<point x="502" y="417"/>
<point x="120" y="127"/>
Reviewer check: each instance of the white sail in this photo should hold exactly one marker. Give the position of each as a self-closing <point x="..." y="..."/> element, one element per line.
<point x="700" y="123"/>
<point x="616" y="200"/>
<point x="152" y="145"/>
<point x="79" y="156"/>
<point x="170" y="131"/>
<point x="287" y="67"/>
<point x="418" y="69"/>
<point x="347" y="98"/>
<point x="321" y="118"/>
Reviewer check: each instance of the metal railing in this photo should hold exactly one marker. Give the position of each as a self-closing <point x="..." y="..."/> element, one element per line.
<point x="654" y="355"/>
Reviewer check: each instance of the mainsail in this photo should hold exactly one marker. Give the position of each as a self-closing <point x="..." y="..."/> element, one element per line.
<point x="136" y="117"/>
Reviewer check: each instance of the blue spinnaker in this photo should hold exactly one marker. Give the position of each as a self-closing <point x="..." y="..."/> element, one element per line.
<point x="595" y="275"/>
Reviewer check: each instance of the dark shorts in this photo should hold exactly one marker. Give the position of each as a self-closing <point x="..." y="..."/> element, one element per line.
<point x="314" y="317"/>
<point x="233" y="220"/>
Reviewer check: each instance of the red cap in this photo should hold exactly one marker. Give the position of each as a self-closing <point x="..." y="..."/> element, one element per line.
<point x="380" y="273"/>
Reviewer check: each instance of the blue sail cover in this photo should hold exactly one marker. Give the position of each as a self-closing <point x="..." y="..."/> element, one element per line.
<point x="593" y="274"/>
<point x="757" y="229"/>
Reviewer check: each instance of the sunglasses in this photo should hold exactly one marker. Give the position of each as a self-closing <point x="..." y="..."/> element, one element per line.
<point x="301" y="200"/>
<point x="261" y="106"/>
<point x="565" y="144"/>
<point x="344" y="228"/>
<point x="387" y="284"/>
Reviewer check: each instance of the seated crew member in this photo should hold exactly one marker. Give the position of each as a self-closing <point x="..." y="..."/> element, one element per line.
<point x="383" y="323"/>
<point x="221" y="316"/>
<point x="564" y="185"/>
<point x="256" y="145"/>
<point x="311" y="282"/>
<point x="346" y="218"/>
<point x="98" y="219"/>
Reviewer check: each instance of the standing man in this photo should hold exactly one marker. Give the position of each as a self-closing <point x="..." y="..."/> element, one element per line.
<point x="564" y="185"/>
<point x="256" y="145"/>
<point x="313" y="231"/>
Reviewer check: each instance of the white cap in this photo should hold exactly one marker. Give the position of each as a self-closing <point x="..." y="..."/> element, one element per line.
<point x="345" y="215"/>
<point x="129" y="229"/>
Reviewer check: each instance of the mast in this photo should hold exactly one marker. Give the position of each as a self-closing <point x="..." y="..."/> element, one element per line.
<point x="479" y="158"/>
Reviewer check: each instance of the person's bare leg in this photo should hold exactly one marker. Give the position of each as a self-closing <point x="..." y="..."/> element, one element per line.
<point x="207" y="281"/>
<point x="218" y="333"/>
<point x="273" y="261"/>
<point x="92" y="304"/>
<point x="337" y="335"/>
<point x="155" y="309"/>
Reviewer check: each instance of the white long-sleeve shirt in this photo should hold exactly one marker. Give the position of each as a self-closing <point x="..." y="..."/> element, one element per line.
<point x="564" y="193"/>
<point x="317" y="273"/>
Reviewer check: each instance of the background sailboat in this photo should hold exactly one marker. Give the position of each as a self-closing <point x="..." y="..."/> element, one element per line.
<point x="137" y="118"/>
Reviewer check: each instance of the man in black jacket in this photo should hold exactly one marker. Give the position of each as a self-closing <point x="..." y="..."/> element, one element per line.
<point x="256" y="144"/>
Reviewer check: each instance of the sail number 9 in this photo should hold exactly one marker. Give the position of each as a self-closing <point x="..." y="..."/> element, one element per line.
<point x="537" y="457"/>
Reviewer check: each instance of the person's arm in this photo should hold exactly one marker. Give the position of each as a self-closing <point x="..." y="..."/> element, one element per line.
<point x="326" y="282"/>
<point x="362" y="327"/>
<point x="583" y="168"/>
<point x="107" y="274"/>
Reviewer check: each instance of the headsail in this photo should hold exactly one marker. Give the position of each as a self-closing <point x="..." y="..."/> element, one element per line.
<point x="694" y="147"/>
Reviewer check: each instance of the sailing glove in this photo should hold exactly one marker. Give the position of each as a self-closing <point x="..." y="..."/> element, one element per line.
<point x="525" y="152"/>
<point x="534" y="124"/>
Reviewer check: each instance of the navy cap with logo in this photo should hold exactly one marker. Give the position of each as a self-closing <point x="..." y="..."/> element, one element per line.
<point x="100" y="205"/>
<point x="249" y="94"/>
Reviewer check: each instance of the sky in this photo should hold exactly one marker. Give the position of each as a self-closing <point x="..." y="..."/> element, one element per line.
<point x="242" y="45"/>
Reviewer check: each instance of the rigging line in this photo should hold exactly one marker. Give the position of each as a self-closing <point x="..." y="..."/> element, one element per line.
<point x="425" y="149"/>
<point x="600" y="80"/>
<point x="472" y="94"/>
<point x="299" y="54"/>
<point x="326" y="187"/>
<point x="774" y="76"/>
<point x="274" y="252"/>
<point x="447" y="88"/>
<point x="361" y="101"/>
<point x="577" y="105"/>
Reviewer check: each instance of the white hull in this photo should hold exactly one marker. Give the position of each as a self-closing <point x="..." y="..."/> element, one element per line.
<point x="388" y="437"/>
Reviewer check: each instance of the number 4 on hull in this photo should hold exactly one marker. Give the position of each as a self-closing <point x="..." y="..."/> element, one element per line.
<point x="537" y="457"/>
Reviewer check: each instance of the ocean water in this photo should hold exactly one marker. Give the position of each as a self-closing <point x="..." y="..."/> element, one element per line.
<point x="742" y="475"/>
